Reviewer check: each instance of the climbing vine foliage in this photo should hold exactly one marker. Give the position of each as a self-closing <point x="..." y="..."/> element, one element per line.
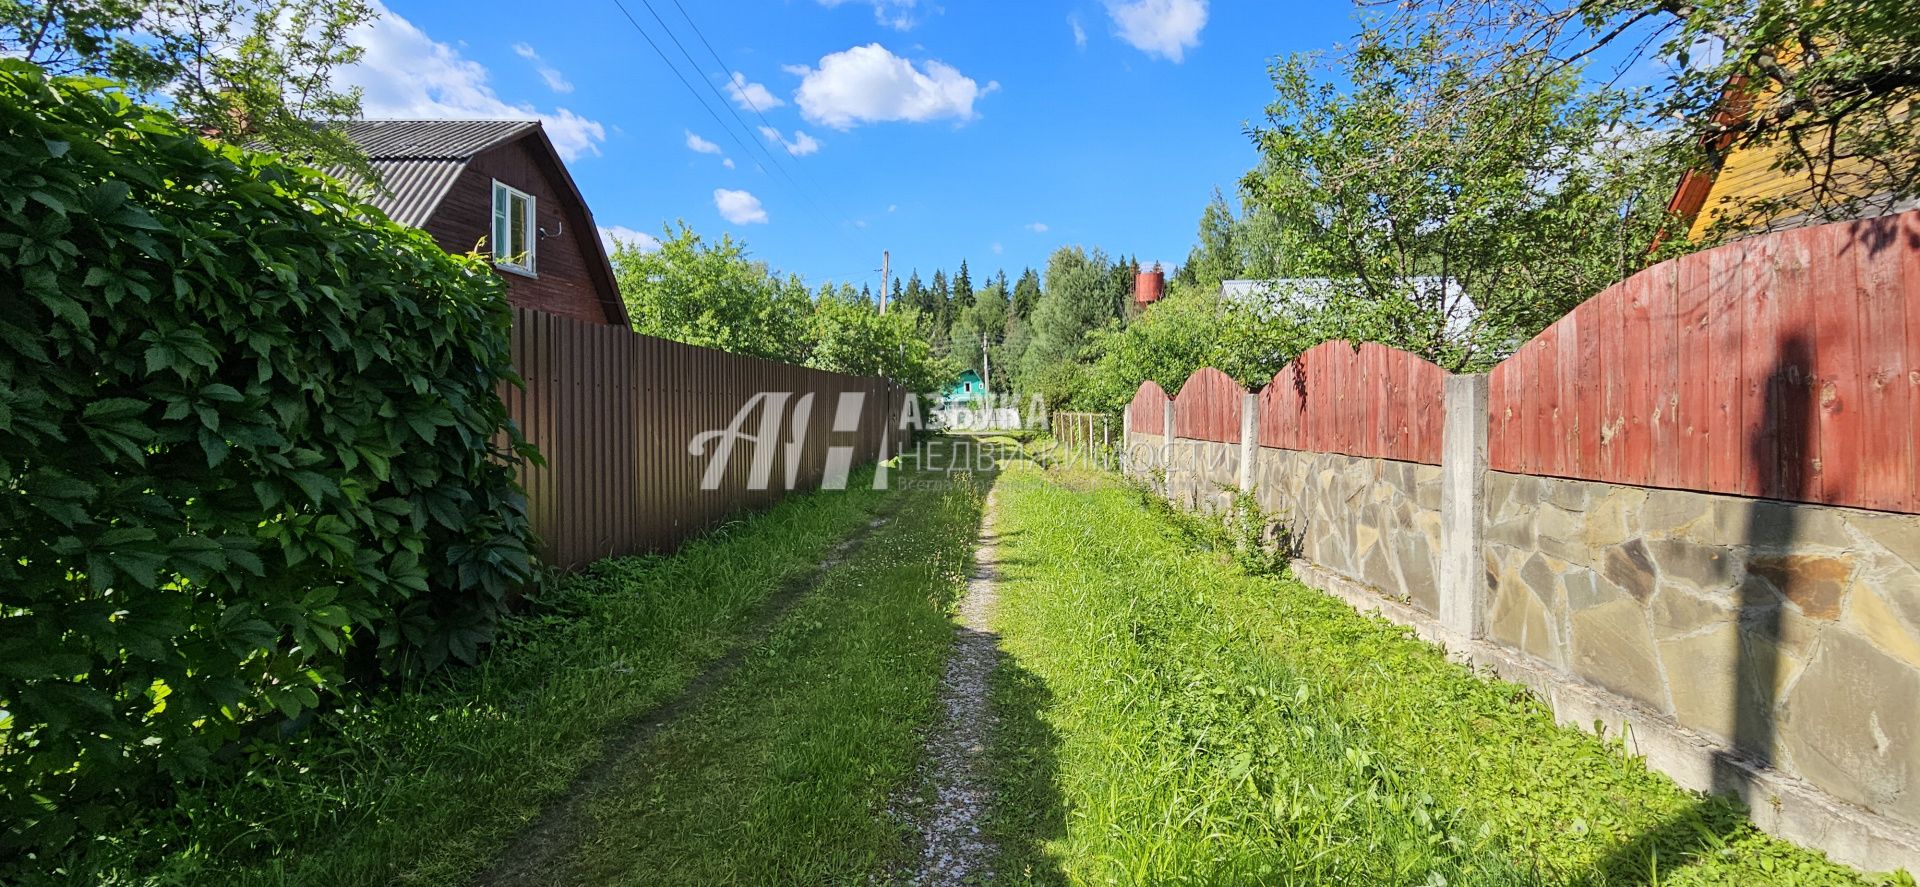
<point x="250" y="444"/>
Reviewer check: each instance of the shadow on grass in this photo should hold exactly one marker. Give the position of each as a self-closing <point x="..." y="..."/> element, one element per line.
<point x="1028" y="810"/>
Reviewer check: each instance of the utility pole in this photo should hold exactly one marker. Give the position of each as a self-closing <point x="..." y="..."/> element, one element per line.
<point x="886" y="278"/>
<point x="986" y="372"/>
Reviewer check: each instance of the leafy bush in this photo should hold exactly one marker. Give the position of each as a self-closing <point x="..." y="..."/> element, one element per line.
<point x="249" y="436"/>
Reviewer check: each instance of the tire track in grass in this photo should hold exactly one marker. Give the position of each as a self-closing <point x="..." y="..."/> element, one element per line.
<point x="542" y="844"/>
<point x="954" y="850"/>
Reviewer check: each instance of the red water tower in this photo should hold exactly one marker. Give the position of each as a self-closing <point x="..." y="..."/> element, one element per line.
<point x="1149" y="286"/>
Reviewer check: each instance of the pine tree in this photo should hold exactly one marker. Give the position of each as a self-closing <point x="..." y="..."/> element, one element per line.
<point x="1026" y="294"/>
<point x="962" y="288"/>
<point x="940" y="299"/>
<point x="915" y="296"/>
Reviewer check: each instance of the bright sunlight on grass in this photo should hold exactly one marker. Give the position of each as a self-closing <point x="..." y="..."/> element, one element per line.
<point x="1168" y="718"/>
<point x="428" y="787"/>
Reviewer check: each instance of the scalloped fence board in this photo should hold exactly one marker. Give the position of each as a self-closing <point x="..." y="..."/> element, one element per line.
<point x="1147" y="412"/>
<point x="1781" y="366"/>
<point x="1372" y="401"/>
<point x="1208" y="407"/>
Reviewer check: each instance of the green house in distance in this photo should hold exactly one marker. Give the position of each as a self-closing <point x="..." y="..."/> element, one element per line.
<point x="966" y="391"/>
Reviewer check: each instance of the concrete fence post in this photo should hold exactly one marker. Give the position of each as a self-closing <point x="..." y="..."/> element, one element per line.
<point x="1463" y="465"/>
<point x="1249" y="440"/>
<point x="1169" y="451"/>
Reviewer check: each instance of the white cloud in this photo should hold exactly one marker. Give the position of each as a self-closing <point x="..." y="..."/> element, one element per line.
<point x="750" y="95"/>
<point x="1166" y="28"/>
<point x="739" y="207"/>
<point x="726" y="162"/>
<point x="868" y="84"/>
<point x="801" y="146"/>
<point x="1079" y="33"/>
<point x="899" y="15"/>
<point x="405" y="73"/>
<point x="699" y="145"/>
<point x="1038" y="227"/>
<point x="556" y="81"/>
<point x="641" y="240"/>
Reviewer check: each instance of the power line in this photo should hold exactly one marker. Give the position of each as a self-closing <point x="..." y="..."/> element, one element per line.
<point x="703" y="102"/>
<point x="728" y="70"/>
<point x="744" y="128"/>
<point x="681" y="77"/>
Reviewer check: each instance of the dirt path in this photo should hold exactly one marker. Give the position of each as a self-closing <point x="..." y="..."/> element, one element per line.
<point x="955" y="853"/>
<point x="534" y="855"/>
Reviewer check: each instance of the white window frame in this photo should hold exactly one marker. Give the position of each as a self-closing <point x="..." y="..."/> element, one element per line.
<point x="522" y="263"/>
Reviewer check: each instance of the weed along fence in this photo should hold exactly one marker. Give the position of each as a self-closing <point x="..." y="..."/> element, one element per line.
<point x="617" y="415"/>
<point x="1690" y="510"/>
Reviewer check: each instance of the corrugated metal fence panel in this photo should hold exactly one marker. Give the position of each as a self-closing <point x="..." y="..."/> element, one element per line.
<point x="1783" y="366"/>
<point x="1147" y="412"/>
<point x="1373" y="401"/>
<point x="1208" y="407"/>
<point x="614" y="414"/>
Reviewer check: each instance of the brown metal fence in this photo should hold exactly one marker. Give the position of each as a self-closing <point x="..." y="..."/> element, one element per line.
<point x="615" y="415"/>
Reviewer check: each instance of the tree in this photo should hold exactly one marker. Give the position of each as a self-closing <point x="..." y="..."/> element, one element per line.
<point x="988" y="317"/>
<point x="1026" y="294"/>
<point x="915" y="296"/>
<point x="256" y="72"/>
<point x="1824" y="88"/>
<point x="851" y="337"/>
<point x="1192" y="327"/>
<point x="1457" y="210"/>
<point x="940" y="299"/>
<point x="706" y="294"/>
<point x="1077" y="300"/>
<point x="962" y="288"/>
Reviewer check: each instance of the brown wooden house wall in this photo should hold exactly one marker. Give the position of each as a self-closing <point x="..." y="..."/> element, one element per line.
<point x="565" y="284"/>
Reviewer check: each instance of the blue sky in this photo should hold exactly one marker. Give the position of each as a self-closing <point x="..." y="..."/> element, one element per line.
<point x="989" y="131"/>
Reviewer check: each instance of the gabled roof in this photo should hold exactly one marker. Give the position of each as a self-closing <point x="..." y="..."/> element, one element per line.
<point x="417" y="160"/>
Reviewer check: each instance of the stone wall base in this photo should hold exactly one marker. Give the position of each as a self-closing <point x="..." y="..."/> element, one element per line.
<point x="1781" y="805"/>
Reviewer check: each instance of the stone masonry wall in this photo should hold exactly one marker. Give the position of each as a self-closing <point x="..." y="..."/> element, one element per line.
<point x="1374" y="521"/>
<point x="1791" y="632"/>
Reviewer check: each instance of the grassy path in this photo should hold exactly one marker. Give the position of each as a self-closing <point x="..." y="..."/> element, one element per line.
<point x="953" y="849"/>
<point x="803" y="767"/>
<point x="1168" y="719"/>
<point x="431" y="787"/>
<point x="785" y="702"/>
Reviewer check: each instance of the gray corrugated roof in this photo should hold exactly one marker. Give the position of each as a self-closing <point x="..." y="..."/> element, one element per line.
<point x="418" y="159"/>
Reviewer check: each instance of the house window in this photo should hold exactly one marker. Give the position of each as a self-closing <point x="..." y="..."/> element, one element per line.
<point x="969" y="387"/>
<point x="513" y="229"/>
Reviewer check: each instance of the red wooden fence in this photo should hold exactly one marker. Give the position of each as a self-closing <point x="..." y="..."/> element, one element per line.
<point x="1208" y="407"/>
<point x="1147" y="413"/>
<point x="1376" y="401"/>
<point x="1784" y="366"/>
<point x="614" y="412"/>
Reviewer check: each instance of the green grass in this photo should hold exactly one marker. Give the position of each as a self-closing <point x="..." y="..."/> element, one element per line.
<point x="802" y="769"/>
<point x="427" y="787"/>
<point x="1168" y="718"/>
